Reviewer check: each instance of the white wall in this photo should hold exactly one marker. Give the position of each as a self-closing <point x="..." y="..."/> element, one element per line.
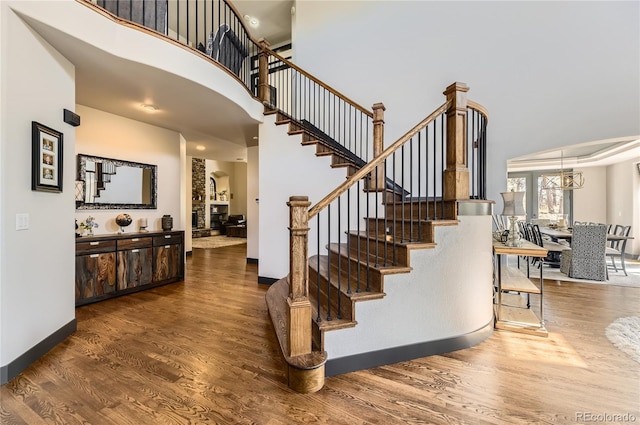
<point x="548" y="72"/>
<point x="253" y="210"/>
<point x="112" y="136"/>
<point x="623" y="201"/>
<point x="239" y="189"/>
<point x="286" y="169"/>
<point x="36" y="265"/>
<point x="590" y="202"/>
<point x="437" y="300"/>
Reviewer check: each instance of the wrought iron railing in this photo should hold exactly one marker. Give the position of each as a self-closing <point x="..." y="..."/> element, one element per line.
<point x="321" y="110"/>
<point x="360" y="226"/>
<point x="215" y="28"/>
<point x="477" y="120"/>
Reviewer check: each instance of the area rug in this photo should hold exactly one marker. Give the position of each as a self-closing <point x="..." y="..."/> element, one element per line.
<point x="218" y="241"/>
<point x="624" y="333"/>
<point x="615" y="278"/>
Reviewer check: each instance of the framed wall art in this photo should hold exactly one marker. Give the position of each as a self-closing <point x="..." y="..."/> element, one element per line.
<point x="46" y="152"/>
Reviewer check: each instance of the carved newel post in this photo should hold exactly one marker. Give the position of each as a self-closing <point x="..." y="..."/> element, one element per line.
<point x="378" y="177"/>
<point x="456" y="175"/>
<point x="298" y="301"/>
<point x="263" y="73"/>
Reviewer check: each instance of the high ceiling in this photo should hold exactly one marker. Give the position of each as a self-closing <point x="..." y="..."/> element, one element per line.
<point x="120" y="86"/>
<point x="104" y="82"/>
<point x="590" y="154"/>
<point x="274" y="17"/>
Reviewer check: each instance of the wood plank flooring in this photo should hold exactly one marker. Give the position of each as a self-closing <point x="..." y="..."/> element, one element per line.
<point x="204" y="352"/>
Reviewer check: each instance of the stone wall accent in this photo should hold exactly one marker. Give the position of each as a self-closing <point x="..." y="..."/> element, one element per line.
<point x="198" y="189"/>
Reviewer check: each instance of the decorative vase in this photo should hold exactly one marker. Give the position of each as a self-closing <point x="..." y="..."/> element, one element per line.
<point x="167" y="222"/>
<point x="123" y="220"/>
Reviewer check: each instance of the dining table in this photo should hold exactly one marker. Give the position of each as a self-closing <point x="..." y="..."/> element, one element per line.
<point x="558" y="233"/>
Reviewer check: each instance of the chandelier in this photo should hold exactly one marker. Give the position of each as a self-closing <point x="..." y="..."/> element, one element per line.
<point x="564" y="180"/>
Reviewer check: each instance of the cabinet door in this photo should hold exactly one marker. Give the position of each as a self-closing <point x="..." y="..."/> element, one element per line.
<point x="134" y="268"/>
<point x="95" y="275"/>
<point x="167" y="262"/>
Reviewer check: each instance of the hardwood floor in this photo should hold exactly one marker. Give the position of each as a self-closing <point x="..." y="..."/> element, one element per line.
<point x="203" y="351"/>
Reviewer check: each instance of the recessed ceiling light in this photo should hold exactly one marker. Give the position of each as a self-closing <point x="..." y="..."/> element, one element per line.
<point x="254" y="22"/>
<point x="149" y="107"/>
<point x="255" y="137"/>
<point x="200" y="148"/>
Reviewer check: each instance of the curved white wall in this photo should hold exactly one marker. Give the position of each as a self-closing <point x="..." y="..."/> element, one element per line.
<point x="82" y="23"/>
<point x="438" y="300"/>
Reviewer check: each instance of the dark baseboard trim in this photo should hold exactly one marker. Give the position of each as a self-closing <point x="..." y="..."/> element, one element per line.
<point x="252" y="261"/>
<point x="267" y="280"/>
<point x="189" y="253"/>
<point x="407" y="352"/>
<point x="11" y="370"/>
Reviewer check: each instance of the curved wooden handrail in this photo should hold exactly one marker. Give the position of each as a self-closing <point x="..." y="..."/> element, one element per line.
<point x="320" y="83"/>
<point x="361" y="173"/>
<point x="478" y="107"/>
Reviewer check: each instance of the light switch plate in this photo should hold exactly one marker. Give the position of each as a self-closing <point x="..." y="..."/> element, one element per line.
<point x="22" y="221"/>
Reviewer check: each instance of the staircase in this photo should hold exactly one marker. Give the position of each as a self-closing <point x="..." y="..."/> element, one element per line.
<point x="351" y="264"/>
<point x="367" y="230"/>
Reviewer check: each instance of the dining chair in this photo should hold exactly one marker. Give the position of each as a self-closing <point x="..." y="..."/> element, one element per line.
<point x="586" y="258"/>
<point x="554" y="249"/>
<point x="617" y="248"/>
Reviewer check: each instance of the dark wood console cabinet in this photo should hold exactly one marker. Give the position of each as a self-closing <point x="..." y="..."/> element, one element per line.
<point x="113" y="265"/>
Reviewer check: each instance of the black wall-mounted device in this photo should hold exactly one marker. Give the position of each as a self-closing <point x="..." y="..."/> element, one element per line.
<point x="71" y="118"/>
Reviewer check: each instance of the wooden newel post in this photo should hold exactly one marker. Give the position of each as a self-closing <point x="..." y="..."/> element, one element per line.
<point x="263" y="73"/>
<point x="378" y="177"/>
<point x="456" y="175"/>
<point x="299" y="325"/>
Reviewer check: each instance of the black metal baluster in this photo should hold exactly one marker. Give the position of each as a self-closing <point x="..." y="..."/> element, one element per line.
<point x="368" y="241"/>
<point x="359" y="199"/>
<point x="393" y="212"/>
<point x="444" y="164"/>
<point x="349" y="240"/>
<point x="411" y="190"/>
<point x="419" y="191"/>
<point x="329" y="263"/>
<point x="426" y="173"/>
<point x="319" y="317"/>
<point x="404" y="205"/>
<point x="339" y="312"/>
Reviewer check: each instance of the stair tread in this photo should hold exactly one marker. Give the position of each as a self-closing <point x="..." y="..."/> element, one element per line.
<point x="342" y="249"/>
<point x="401" y="243"/>
<point x="353" y="295"/>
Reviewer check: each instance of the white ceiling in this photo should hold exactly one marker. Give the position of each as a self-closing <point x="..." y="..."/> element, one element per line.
<point x="590" y="154"/>
<point x="119" y="86"/>
<point x="115" y="85"/>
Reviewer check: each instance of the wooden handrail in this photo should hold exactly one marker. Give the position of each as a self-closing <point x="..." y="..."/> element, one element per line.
<point x="361" y="173"/>
<point x="320" y="83"/>
<point x="478" y="107"/>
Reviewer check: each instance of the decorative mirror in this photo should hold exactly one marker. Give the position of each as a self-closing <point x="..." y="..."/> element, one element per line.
<point x="105" y="183"/>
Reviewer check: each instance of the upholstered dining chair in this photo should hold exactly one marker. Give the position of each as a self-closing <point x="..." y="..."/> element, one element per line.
<point x="586" y="258"/>
<point x="617" y="248"/>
